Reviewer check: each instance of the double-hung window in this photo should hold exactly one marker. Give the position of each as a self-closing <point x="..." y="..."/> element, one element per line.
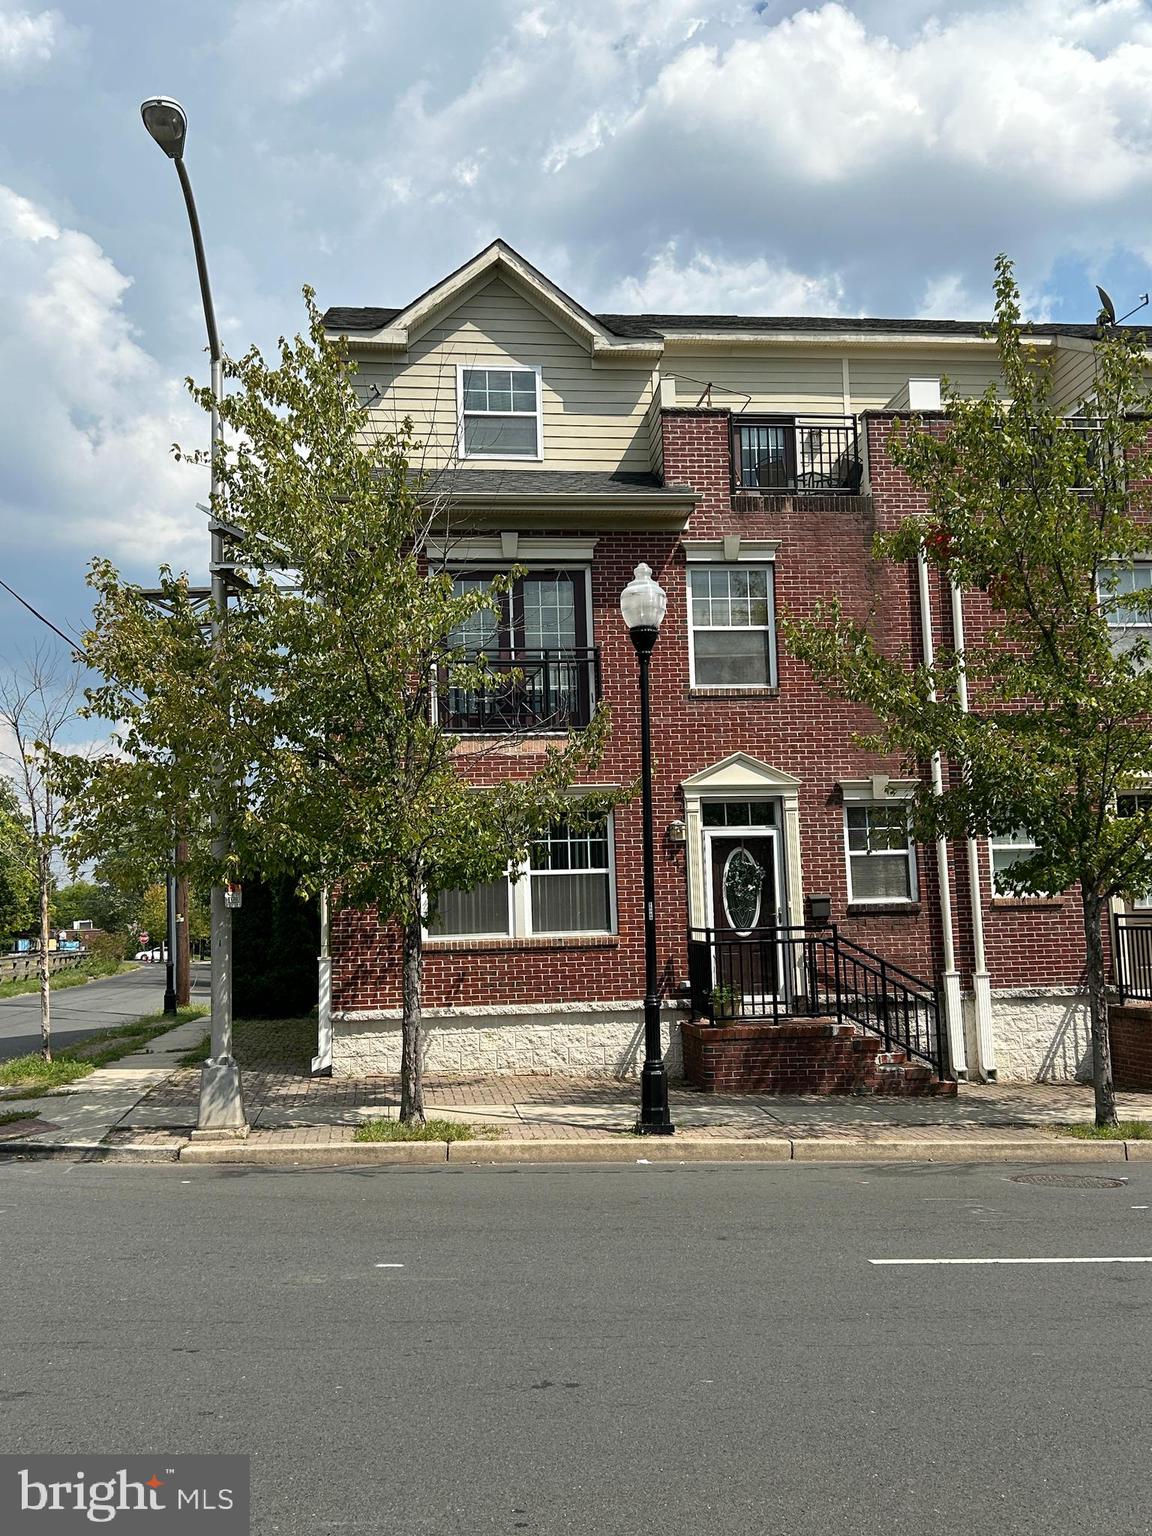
<point x="500" y="414"/>
<point x="1006" y="849"/>
<point x="732" y="626"/>
<point x="564" y="887"/>
<point x="881" y="853"/>
<point x="1130" y="621"/>
<point x="1136" y="803"/>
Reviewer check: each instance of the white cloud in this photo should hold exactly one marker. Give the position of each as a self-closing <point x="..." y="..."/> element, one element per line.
<point x="708" y="284"/>
<point x="86" y="435"/>
<point x="28" y="40"/>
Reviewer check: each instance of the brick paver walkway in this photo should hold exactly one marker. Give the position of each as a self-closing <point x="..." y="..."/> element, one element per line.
<point x="288" y="1108"/>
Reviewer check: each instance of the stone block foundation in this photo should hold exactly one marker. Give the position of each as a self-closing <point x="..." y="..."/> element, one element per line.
<point x="574" y="1039"/>
<point x="1041" y="1035"/>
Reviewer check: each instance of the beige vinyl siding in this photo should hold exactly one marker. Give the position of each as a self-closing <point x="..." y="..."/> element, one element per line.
<point x="812" y="383"/>
<point x="879" y="378"/>
<point x="655" y="427"/>
<point x="593" y="412"/>
<point x="776" y="381"/>
<point x="1073" y="374"/>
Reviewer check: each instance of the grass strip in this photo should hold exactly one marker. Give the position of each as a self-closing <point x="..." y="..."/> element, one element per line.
<point x="32" y="1076"/>
<point x="431" y="1130"/>
<point x="1124" y="1130"/>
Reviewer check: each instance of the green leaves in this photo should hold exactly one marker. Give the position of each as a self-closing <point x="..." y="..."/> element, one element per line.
<point x="316" y="707"/>
<point x="1043" y="516"/>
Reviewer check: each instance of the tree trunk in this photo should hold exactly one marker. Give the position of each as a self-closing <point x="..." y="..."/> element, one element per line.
<point x="1093" y="910"/>
<point x="411" y="1052"/>
<point x="44" y="871"/>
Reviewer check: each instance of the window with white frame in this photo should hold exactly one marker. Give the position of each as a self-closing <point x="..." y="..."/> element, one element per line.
<point x="500" y="413"/>
<point x="1131" y="621"/>
<point x="881" y="853"/>
<point x="1136" y="803"/>
<point x="1006" y="849"/>
<point x="732" y="626"/>
<point x="564" y="887"/>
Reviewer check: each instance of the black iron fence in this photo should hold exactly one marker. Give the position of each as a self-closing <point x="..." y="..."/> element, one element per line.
<point x="546" y="690"/>
<point x="819" y="455"/>
<point x="771" y="974"/>
<point x="1132" y="957"/>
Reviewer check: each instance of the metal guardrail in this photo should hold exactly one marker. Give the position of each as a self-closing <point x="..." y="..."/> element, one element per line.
<point x="772" y="974"/>
<point x="1132" y="957"/>
<point x="814" y="455"/>
<point x="538" y="690"/>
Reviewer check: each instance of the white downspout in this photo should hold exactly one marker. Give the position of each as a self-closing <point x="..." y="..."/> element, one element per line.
<point x="981" y="981"/>
<point x="953" y="1009"/>
<point x="322" y="1061"/>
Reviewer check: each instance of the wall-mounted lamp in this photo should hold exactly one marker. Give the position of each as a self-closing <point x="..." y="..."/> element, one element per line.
<point x="677" y="833"/>
<point x="820" y="910"/>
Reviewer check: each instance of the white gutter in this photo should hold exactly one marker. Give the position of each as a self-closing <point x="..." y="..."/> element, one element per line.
<point x="953" y="1009"/>
<point x="981" y="982"/>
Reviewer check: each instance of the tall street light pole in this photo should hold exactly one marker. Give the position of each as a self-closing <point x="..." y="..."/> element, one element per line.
<point x="643" y="603"/>
<point x="221" y="1099"/>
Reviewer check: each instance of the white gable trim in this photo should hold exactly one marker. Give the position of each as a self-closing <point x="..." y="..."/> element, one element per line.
<point x="500" y="260"/>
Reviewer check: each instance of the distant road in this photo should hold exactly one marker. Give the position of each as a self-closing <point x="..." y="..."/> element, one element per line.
<point x="81" y="1011"/>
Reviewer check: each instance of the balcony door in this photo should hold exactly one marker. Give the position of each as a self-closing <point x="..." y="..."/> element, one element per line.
<point x="537" y="647"/>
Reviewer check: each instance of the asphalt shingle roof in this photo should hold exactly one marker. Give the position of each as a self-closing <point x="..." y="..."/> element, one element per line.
<point x="638" y="327"/>
<point x="546" y="482"/>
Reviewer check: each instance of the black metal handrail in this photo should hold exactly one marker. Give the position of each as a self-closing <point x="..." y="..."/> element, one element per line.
<point x="1132" y="957"/>
<point x="771" y="974"/>
<point x="813" y="455"/>
<point x="531" y="690"/>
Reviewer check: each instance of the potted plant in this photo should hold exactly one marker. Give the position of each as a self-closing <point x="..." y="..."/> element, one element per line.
<point x="725" y="1001"/>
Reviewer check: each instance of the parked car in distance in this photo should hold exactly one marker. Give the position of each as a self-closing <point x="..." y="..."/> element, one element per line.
<point x="150" y="956"/>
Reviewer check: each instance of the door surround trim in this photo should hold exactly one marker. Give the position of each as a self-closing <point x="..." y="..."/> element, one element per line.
<point x="742" y="777"/>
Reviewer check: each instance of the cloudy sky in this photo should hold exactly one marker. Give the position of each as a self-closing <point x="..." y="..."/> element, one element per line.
<point x="648" y="154"/>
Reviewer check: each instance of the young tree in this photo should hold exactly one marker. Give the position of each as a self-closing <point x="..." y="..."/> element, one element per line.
<point x="1045" y="518"/>
<point x="318" y="708"/>
<point x="17" y="865"/>
<point x="36" y="702"/>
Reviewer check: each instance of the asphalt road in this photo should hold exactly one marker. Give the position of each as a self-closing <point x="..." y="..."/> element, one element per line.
<point x="594" y="1350"/>
<point x="81" y="1011"/>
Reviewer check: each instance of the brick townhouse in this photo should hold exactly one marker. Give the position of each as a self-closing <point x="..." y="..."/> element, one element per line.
<point x="743" y="460"/>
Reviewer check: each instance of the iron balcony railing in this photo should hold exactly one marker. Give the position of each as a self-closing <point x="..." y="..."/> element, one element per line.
<point x="544" y="690"/>
<point x="817" y="455"/>
<point x="1132" y="957"/>
<point x="770" y="974"/>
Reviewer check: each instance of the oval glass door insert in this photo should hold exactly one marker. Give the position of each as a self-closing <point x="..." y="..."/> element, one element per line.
<point x="742" y="884"/>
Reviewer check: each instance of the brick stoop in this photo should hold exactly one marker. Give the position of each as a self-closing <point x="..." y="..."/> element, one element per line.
<point x="801" y="1056"/>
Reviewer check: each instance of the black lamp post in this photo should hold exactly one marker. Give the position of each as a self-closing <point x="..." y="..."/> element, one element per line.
<point x="642" y="604"/>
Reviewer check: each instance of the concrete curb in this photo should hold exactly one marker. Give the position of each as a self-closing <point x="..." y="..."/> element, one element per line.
<point x="342" y="1153"/>
<point x="630" y="1150"/>
<point x="1057" y="1150"/>
<point x="86" y="1151"/>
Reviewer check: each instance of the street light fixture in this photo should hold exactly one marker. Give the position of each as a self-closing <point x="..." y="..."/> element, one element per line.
<point x="643" y="603"/>
<point x="221" y="1100"/>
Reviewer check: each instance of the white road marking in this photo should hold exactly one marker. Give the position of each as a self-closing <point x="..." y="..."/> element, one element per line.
<point x="389" y="1266"/>
<point x="1119" y="1259"/>
<point x="1139" y="1207"/>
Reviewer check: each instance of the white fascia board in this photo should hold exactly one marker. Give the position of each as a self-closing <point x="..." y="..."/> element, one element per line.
<point x="690" y="341"/>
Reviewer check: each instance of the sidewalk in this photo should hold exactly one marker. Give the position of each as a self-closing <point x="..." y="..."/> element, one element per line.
<point x="144" y="1107"/>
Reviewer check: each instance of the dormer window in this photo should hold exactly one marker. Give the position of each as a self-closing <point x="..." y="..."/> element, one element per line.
<point x="500" y="413"/>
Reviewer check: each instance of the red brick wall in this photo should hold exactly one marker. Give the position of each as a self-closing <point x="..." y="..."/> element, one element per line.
<point x="824" y="547"/>
<point x="1130" y="1032"/>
